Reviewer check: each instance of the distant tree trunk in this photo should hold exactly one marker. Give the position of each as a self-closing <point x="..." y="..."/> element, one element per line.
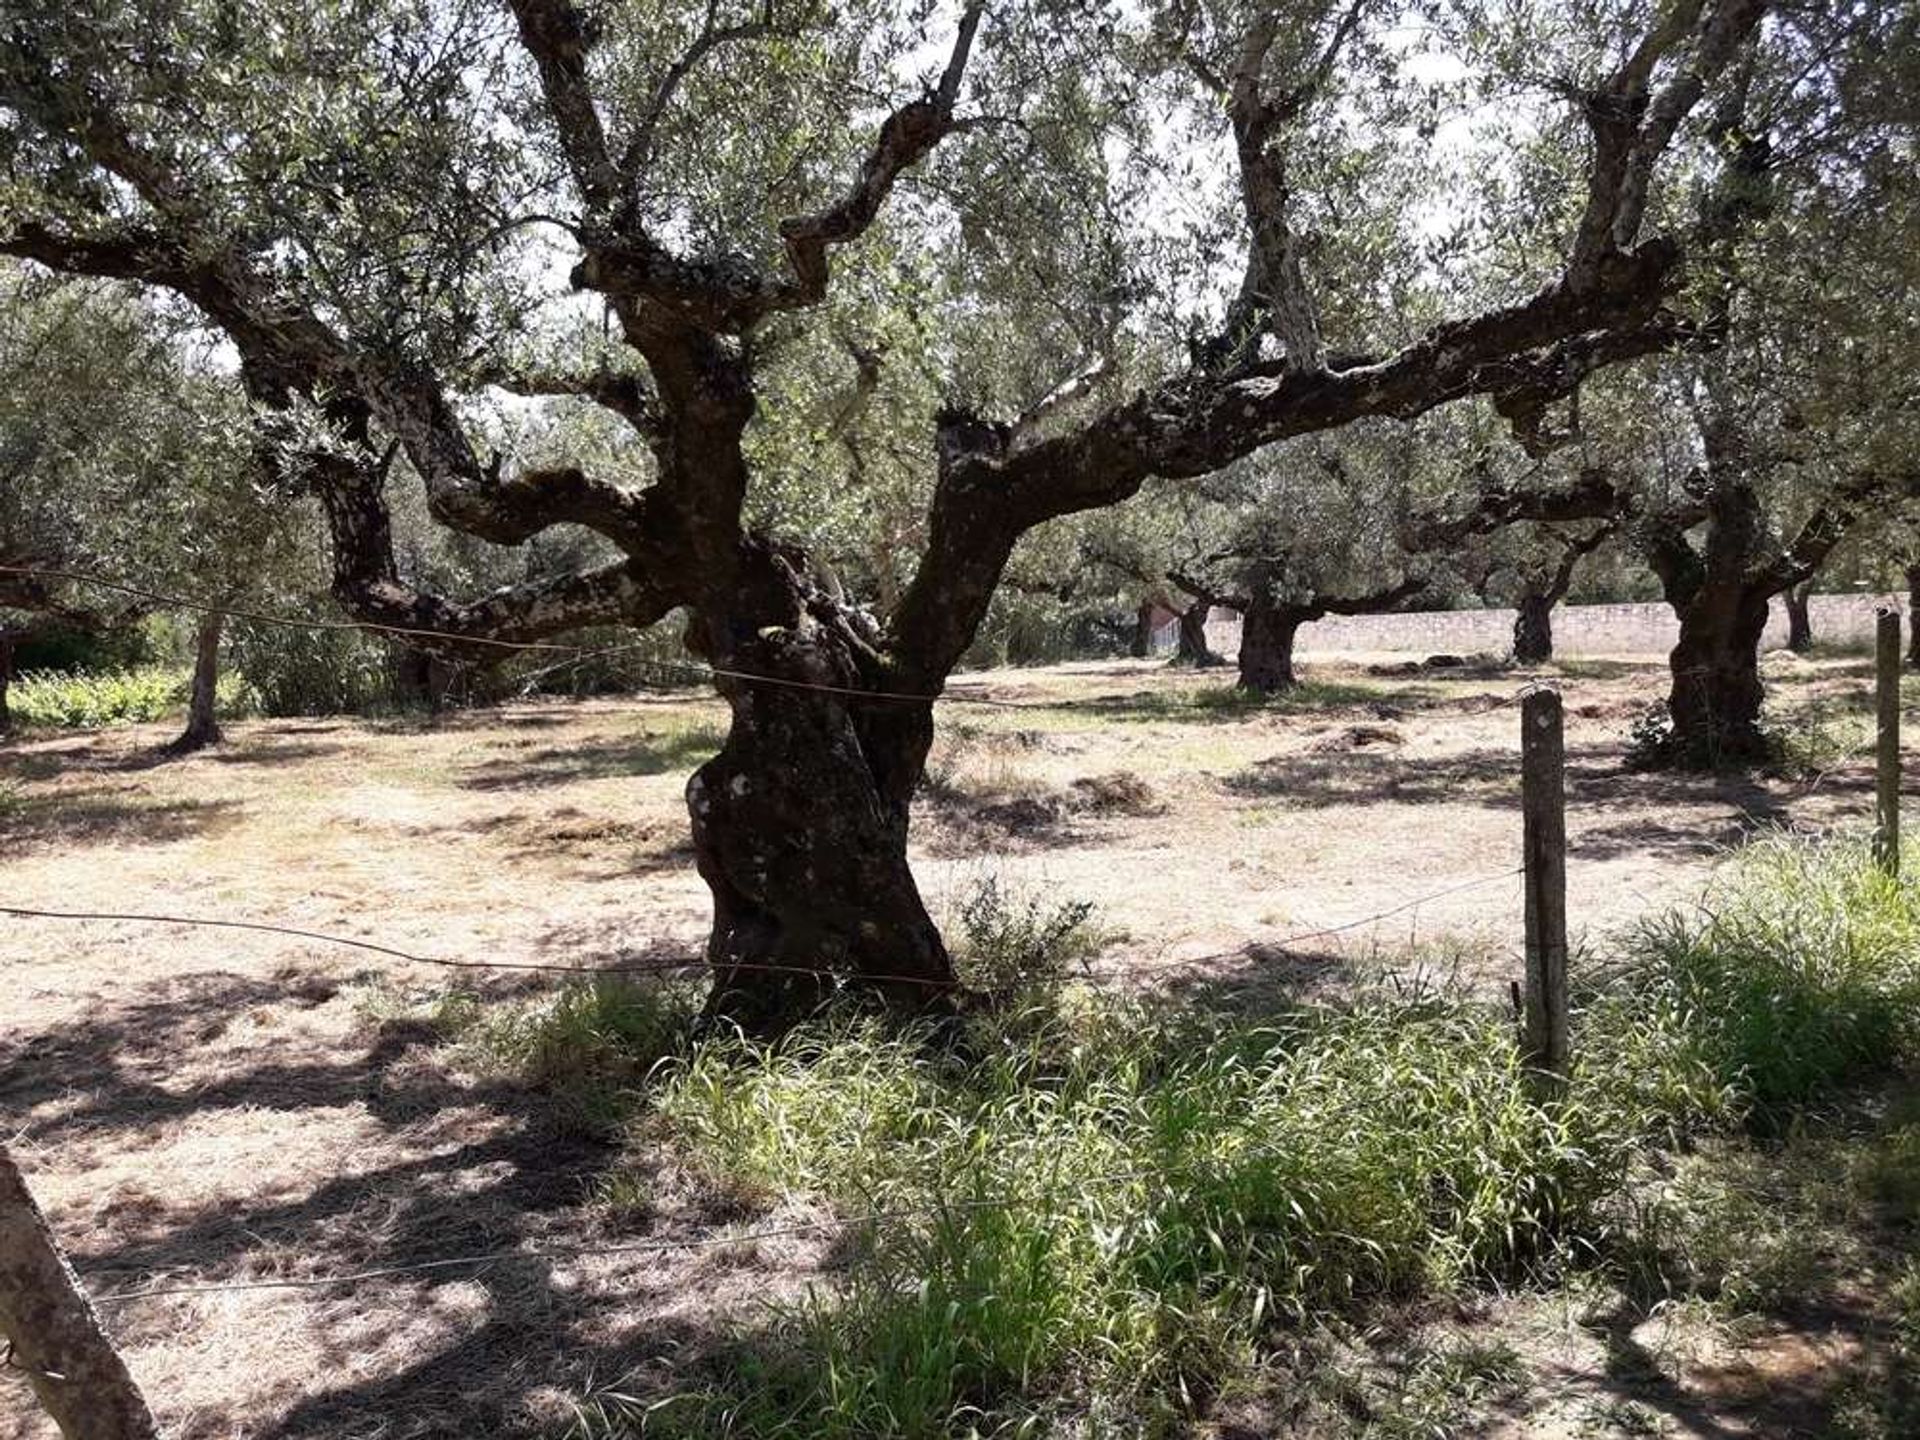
<point x="1533" y="628"/>
<point x="1193" y="648"/>
<point x="1142" y="644"/>
<point x="1799" y="621"/>
<point x="54" y="1341"/>
<point x="6" y="681"/>
<point x="1722" y="592"/>
<point x="414" y="679"/>
<point x="1267" y="635"/>
<point x="1913" y="616"/>
<point x="203" y="721"/>
<point x="1533" y="624"/>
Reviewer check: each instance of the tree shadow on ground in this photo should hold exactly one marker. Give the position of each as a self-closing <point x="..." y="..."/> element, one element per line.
<point x="955" y="822"/>
<point x="609" y="759"/>
<point x="1737" y="1399"/>
<point x="1598" y="782"/>
<point x="1228" y="704"/>
<point x="606" y="848"/>
<point x="464" y="1167"/>
<point x="102" y="815"/>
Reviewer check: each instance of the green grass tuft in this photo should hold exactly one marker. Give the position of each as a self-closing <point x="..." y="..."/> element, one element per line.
<point x="592" y="1044"/>
<point x="1102" y="1220"/>
<point x="1801" y="973"/>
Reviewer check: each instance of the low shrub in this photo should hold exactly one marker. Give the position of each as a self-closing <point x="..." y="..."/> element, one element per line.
<point x="291" y="671"/>
<point x="86" y="700"/>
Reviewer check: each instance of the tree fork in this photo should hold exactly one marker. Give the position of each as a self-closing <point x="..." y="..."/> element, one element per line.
<point x="800" y="822"/>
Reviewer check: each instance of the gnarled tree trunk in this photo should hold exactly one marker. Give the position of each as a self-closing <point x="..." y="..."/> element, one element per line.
<point x="1533" y="628"/>
<point x="1799" y="620"/>
<point x="203" y="721"/>
<point x="1267" y="635"/>
<point x="1715" y="699"/>
<point x="800" y="822"/>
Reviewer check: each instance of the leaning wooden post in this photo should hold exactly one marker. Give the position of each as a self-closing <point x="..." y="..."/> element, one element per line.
<point x="53" y="1339"/>
<point x="1886" y="840"/>
<point x="1543" y="804"/>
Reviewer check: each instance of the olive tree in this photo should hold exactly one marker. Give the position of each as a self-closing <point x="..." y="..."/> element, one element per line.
<point x="118" y="452"/>
<point x="384" y="206"/>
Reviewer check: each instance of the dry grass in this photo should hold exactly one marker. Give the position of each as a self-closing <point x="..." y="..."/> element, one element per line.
<point x="234" y="1105"/>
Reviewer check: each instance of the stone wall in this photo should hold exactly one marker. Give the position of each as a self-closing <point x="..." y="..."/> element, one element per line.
<point x="1642" y="629"/>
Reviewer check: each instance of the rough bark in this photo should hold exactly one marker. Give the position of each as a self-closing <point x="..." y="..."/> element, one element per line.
<point x="1799" y="620"/>
<point x="1716" y="696"/>
<point x="56" y="1341"/>
<point x="800" y="822"/>
<point x="1720" y="592"/>
<point x="1533" y="628"/>
<point x="203" y="721"/>
<point x="1267" y="633"/>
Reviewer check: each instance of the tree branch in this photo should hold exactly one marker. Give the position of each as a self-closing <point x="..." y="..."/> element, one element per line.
<point x="712" y="37"/>
<point x="906" y="135"/>
<point x="1632" y="124"/>
<point x="558" y="35"/>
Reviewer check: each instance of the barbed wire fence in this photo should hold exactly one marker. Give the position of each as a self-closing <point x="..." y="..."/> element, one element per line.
<point x="1112" y="974"/>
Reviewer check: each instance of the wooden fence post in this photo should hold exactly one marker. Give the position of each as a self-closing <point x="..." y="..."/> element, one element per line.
<point x="1886" y="838"/>
<point x="53" y="1338"/>
<point x="1543" y="803"/>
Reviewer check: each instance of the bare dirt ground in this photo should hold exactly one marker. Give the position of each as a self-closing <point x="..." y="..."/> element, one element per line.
<point x="228" y="1106"/>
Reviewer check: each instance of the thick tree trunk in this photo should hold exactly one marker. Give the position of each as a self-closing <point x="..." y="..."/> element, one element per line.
<point x="203" y="721"/>
<point x="1193" y="637"/>
<point x="1799" y="621"/>
<point x="53" y="1338"/>
<point x="1142" y="643"/>
<point x="1267" y="634"/>
<point x="1533" y="629"/>
<point x="800" y="822"/>
<point x="1714" y="704"/>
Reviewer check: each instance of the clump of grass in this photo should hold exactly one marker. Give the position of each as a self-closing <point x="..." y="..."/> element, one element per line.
<point x="89" y="700"/>
<point x="1801" y="974"/>
<point x="1114" y="1214"/>
<point x="592" y="1044"/>
<point x="1126" y="1219"/>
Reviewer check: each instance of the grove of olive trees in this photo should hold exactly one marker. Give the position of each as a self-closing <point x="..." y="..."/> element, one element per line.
<point x="849" y="305"/>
